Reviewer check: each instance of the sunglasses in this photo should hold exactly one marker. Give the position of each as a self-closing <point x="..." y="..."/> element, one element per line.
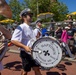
<point x="30" y="14"/>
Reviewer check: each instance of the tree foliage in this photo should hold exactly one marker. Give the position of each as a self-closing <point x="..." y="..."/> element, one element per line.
<point x="16" y="8"/>
<point x="59" y="9"/>
<point x="39" y="6"/>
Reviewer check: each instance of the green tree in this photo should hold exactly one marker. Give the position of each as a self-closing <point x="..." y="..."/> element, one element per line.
<point x="39" y="6"/>
<point x="16" y="8"/>
<point x="59" y="9"/>
<point x="2" y="17"/>
<point x="32" y="4"/>
<point x="43" y="5"/>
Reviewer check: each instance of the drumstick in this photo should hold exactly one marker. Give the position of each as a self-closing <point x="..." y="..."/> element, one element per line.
<point x="36" y="51"/>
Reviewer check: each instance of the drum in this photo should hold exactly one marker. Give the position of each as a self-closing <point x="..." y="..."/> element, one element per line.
<point x="3" y="46"/>
<point x="47" y="52"/>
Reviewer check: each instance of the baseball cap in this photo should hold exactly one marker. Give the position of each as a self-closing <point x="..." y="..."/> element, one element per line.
<point x="26" y="11"/>
<point x="66" y="27"/>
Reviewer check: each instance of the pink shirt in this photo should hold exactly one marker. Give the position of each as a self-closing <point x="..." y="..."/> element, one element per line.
<point x="64" y="36"/>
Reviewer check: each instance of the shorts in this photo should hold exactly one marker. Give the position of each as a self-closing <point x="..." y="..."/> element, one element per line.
<point x="27" y="61"/>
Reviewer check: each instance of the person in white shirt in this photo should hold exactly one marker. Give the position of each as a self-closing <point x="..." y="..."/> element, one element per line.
<point x="38" y="30"/>
<point x="21" y="36"/>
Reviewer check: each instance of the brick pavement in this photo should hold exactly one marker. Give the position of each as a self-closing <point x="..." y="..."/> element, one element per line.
<point x="12" y="64"/>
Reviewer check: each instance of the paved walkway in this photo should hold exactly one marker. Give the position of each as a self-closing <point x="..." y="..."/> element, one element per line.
<point x="12" y="66"/>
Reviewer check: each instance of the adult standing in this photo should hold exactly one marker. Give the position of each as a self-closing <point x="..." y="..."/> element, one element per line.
<point x="71" y="32"/>
<point x="58" y="32"/>
<point x="64" y="39"/>
<point x="69" y="20"/>
<point x="38" y="29"/>
<point x="21" y="36"/>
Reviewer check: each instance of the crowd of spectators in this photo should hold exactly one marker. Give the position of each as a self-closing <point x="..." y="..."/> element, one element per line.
<point x="64" y="34"/>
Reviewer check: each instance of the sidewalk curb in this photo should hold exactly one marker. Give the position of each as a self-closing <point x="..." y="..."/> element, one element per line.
<point x="14" y="51"/>
<point x="68" y="59"/>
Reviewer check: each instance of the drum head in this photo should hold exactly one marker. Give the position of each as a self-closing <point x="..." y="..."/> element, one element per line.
<point x="50" y="52"/>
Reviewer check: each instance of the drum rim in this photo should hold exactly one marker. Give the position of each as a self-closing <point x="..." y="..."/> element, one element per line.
<point x="55" y="40"/>
<point x="44" y="38"/>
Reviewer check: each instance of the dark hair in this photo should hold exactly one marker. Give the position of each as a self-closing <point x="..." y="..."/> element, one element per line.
<point x="25" y="15"/>
<point x="39" y="21"/>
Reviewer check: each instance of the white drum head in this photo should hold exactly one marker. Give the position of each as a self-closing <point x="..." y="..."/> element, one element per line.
<point x="50" y="52"/>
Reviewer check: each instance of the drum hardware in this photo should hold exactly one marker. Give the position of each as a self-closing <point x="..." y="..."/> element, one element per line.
<point x="46" y="51"/>
<point x="36" y="51"/>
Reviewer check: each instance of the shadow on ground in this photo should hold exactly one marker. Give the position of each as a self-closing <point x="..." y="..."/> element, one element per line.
<point x="52" y="73"/>
<point x="6" y="56"/>
<point x="55" y="73"/>
<point x="61" y="67"/>
<point x="16" y="66"/>
<point x="68" y="63"/>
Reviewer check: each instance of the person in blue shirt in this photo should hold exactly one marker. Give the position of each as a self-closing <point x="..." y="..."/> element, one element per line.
<point x="44" y="30"/>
